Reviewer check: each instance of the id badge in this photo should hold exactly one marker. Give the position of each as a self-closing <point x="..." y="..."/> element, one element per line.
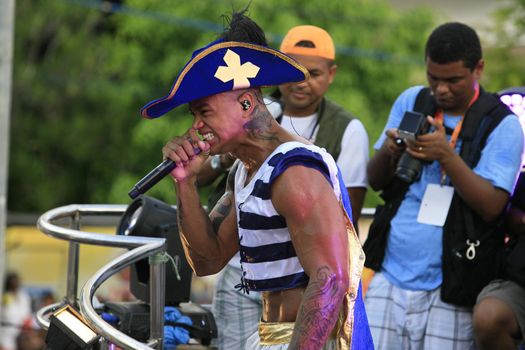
<point x="435" y="205"/>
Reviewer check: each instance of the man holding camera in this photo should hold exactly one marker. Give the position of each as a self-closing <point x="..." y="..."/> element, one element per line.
<point x="435" y="243"/>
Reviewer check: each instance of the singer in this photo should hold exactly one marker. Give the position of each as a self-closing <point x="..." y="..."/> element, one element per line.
<point x="285" y="210"/>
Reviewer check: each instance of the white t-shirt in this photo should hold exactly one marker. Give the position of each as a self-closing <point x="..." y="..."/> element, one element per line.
<point x="15" y="311"/>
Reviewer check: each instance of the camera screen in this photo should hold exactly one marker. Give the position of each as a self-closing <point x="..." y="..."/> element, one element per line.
<point x="411" y="125"/>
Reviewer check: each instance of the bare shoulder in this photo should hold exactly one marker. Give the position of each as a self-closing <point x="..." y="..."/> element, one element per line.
<point x="300" y="189"/>
<point x="314" y="217"/>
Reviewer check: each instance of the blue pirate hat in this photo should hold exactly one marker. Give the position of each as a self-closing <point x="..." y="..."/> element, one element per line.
<point x="225" y="66"/>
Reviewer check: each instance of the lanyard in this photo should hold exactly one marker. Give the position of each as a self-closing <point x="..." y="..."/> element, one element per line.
<point x="439" y="116"/>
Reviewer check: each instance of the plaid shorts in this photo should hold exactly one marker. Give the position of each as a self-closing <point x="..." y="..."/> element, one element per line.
<point x="406" y="319"/>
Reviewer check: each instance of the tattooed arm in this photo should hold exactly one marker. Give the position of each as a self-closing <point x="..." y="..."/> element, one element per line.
<point x="317" y="228"/>
<point x="209" y="242"/>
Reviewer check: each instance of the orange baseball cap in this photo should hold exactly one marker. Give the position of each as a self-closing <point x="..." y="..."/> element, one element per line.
<point x="323" y="45"/>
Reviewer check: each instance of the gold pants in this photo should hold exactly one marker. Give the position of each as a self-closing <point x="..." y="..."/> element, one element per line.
<point x="273" y="333"/>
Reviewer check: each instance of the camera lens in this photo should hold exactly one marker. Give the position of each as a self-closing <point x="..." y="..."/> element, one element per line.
<point x="408" y="168"/>
<point x="407" y="175"/>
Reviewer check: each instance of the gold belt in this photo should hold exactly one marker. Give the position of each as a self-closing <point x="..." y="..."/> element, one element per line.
<point x="273" y="333"/>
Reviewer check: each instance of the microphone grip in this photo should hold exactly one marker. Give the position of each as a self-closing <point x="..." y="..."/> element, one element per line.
<point x="154" y="176"/>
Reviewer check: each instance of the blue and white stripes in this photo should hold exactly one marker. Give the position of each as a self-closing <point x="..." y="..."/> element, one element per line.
<point x="268" y="258"/>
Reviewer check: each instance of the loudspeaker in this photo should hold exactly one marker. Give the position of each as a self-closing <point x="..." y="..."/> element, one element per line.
<point x="150" y="217"/>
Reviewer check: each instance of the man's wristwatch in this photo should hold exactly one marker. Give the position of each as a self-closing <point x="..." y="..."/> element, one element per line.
<point x="215" y="162"/>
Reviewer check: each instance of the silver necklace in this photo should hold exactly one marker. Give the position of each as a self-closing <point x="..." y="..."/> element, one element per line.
<point x="310" y="138"/>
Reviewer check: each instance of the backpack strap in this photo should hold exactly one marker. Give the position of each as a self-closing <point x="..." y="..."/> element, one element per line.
<point x="481" y="119"/>
<point x="425" y="102"/>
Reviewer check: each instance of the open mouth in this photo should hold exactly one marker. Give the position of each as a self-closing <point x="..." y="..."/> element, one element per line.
<point x="208" y="136"/>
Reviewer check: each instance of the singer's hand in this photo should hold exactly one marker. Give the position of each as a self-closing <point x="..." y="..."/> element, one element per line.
<point x="188" y="152"/>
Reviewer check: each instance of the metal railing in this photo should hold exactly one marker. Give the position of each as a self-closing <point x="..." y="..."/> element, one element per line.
<point x="140" y="248"/>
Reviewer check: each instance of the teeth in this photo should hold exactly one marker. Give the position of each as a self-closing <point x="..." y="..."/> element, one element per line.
<point x="208" y="136"/>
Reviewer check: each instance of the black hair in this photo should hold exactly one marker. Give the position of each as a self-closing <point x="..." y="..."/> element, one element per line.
<point x="452" y="42"/>
<point x="9" y="281"/>
<point x="242" y="28"/>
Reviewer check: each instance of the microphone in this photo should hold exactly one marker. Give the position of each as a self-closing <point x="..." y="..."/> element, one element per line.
<point x="154" y="176"/>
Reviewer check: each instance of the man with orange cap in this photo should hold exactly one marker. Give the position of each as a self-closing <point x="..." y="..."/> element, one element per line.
<point x="308" y="113"/>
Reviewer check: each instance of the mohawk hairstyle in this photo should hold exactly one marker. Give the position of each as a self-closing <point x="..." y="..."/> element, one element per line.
<point x="243" y="29"/>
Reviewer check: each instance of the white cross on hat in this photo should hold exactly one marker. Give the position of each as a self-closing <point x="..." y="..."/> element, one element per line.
<point x="234" y="70"/>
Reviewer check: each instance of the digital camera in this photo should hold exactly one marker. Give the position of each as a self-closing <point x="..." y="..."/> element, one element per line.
<point x="412" y="125"/>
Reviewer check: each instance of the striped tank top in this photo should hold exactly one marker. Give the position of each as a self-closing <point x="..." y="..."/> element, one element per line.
<point x="268" y="259"/>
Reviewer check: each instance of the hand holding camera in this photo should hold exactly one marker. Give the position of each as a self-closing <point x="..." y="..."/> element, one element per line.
<point x="423" y="146"/>
<point x="413" y="125"/>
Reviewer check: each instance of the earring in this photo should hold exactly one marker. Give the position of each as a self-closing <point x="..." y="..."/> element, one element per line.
<point x="246" y="105"/>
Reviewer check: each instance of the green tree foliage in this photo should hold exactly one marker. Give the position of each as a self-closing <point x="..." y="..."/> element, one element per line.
<point x="504" y="61"/>
<point x="83" y="71"/>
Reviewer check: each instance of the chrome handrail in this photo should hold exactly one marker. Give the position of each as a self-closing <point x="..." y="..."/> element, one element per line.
<point x="141" y="247"/>
<point x="40" y="316"/>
